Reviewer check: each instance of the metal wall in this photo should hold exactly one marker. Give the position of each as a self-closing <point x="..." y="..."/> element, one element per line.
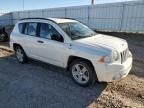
<point x="6" y="18"/>
<point x="124" y="16"/>
<point x="133" y="17"/>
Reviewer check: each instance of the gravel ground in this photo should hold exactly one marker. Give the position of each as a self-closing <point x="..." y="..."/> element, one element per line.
<point x="40" y="85"/>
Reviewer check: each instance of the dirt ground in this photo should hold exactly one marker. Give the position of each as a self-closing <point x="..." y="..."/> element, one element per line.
<point x="56" y="85"/>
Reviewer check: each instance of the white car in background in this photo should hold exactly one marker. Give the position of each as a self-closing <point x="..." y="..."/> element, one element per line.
<point x="70" y="44"/>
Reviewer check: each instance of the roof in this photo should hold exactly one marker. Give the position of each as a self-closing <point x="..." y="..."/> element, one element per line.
<point x="62" y="20"/>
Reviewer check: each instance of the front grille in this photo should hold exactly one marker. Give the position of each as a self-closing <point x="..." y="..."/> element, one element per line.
<point x="124" y="55"/>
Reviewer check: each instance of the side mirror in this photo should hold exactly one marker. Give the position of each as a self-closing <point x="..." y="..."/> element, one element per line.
<point x="57" y="37"/>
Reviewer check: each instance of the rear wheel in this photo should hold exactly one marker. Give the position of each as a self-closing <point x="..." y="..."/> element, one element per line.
<point x="82" y="72"/>
<point x="20" y="54"/>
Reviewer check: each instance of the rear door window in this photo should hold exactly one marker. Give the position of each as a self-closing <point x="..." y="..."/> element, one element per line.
<point x="31" y="29"/>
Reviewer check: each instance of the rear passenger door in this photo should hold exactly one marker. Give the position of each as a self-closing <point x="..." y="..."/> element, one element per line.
<point x="31" y="34"/>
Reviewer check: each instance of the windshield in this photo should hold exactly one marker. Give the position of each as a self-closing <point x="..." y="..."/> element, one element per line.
<point x="76" y="30"/>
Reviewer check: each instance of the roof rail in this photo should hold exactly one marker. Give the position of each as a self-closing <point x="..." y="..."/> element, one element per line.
<point x="67" y="18"/>
<point x="34" y="18"/>
<point x="46" y="18"/>
<point x="39" y="18"/>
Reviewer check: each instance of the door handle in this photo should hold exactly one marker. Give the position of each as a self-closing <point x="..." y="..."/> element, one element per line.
<point x="40" y="41"/>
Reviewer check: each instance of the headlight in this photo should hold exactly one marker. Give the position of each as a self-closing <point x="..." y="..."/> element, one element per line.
<point x="129" y="53"/>
<point x="115" y="56"/>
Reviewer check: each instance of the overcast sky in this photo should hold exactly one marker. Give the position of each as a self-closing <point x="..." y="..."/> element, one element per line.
<point x="16" y="5"/>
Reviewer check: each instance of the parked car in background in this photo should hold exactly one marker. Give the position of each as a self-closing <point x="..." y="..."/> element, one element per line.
<point x="67" y="43"/>
<point x="3" y="34"/>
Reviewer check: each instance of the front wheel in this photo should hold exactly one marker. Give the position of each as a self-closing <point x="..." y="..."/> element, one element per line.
<point x="20" y="54"/>
<point x="82" y="72"/>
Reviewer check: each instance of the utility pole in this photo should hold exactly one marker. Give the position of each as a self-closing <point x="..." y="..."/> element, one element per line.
<point x="23" y="4"/>
<point x="92" y="2"/>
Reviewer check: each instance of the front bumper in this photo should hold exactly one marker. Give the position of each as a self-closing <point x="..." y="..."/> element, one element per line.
<point x="114" y="71"/>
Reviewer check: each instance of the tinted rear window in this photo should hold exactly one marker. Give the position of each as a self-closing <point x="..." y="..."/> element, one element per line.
<point x="21" y="27"/>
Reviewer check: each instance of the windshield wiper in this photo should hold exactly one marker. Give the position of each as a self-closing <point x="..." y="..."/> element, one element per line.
<point x="93" y="34"/>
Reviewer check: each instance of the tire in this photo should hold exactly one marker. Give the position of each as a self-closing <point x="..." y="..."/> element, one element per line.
<point x="82" y="73"/>
<point x="3" y="37"/>
<point x="20" y="55"/>
<point x="6" y="37"/>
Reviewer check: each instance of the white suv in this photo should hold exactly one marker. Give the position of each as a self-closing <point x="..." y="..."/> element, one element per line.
<point x="70" y="44"/>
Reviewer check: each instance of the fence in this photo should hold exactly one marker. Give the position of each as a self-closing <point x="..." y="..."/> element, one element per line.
<point x="125" y="16"/>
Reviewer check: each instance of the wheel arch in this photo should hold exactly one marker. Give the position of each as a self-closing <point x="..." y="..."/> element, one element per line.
<point x="73" y="58"/>
<point x="15" y="45"/>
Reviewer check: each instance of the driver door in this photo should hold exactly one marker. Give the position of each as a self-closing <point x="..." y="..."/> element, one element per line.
<point x="49" y="50"/>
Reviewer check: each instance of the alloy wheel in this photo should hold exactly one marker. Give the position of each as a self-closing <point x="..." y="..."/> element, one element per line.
<point x="80" y="73"/>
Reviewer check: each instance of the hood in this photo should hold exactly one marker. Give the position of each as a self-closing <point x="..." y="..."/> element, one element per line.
<point x="105" y="41"/>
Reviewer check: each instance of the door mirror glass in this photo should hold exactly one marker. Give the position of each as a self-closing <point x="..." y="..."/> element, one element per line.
<point x="57" y="37"/>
